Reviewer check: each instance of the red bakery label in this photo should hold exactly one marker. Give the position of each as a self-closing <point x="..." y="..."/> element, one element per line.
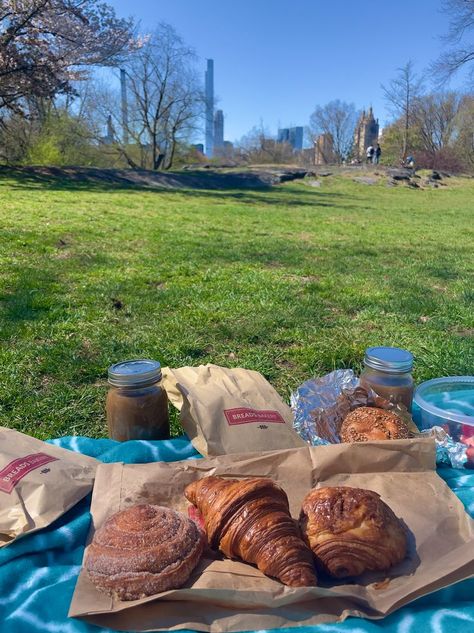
<point x="246" y="415"/>
<point x="18" y="468"/>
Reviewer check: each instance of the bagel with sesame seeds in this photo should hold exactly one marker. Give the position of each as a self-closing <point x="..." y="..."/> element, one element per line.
<point x="371" y="424"/>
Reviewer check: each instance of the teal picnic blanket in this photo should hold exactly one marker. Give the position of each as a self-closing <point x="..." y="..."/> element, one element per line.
<point x="38" y="573"/>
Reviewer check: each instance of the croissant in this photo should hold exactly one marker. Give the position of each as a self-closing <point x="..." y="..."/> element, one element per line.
<point x="351" y="530"/>
<point x="250" y="519"/>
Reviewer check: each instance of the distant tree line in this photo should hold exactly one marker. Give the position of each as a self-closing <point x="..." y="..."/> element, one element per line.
<point x="437" y="127"/>
<point x="435" y="124"/>
<point x="54" y="109"/>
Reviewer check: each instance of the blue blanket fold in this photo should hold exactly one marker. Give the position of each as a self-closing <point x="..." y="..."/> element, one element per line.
<point x="38" y="573"/>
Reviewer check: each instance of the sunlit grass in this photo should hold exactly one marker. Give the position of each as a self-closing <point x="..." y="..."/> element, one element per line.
<point x="293" y="282"/>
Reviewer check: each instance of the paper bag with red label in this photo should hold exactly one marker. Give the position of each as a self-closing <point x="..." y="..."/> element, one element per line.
<point x="226" y="411"/>
<point x="38" y="483"/>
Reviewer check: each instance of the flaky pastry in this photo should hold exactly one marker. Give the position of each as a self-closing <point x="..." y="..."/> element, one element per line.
<point x="351" y="530"/>
<point x="250" y="519"/>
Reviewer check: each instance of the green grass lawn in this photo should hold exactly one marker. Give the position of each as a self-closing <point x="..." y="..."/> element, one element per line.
<point x="292" y="282"/>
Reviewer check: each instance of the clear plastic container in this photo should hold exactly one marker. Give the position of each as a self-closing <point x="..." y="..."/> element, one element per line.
<point x="449" y="403"/>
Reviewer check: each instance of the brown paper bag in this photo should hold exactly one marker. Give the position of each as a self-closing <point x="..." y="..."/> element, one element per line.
<point x="225" y="595"/>
<point x="38" y="483"/>
<point x="225" y="411"/>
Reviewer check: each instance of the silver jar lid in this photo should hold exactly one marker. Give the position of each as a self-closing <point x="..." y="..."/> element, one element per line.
<point x="389" y="359"/>
<point x="134" y="373"/>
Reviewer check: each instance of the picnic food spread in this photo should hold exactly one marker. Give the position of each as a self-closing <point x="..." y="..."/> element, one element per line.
<point x="351" y="530"/>
<point x="367" y="424"/>
<point x="146" y="549"/>
<point x="250" y="519"/>
<point x="343" y="530"/>
<point x="137" y="405"/>
<point x="143" y="550"/>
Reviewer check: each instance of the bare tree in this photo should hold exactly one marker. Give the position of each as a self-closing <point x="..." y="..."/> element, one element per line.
<point x="259" y="146"/>
<point x="400" y="94"/>
<point x="44" y="44"/>
<point x="164" y="101"/>
<point x="464" y="140"/>
<point x="461" y="51"/>
<point x="435" y="116"/>
<point x="338" y="119"/>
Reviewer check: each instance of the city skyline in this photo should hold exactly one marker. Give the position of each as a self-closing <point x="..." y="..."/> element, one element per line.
<point x="273" y="66"/>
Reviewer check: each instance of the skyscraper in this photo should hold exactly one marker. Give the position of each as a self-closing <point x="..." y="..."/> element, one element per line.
<point x="296" y="137"/>
<point x="218" y="131"/>
<point x="209" y="85"/>
<point x="291" y="135"/>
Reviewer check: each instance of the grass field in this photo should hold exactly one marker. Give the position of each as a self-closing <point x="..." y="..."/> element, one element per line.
<point x="293" y="282"/>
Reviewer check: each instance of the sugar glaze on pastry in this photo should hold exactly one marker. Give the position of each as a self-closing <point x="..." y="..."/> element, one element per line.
<point x="351" y="530"/>
<point x="250" y="519"/>
<point x="143" y="550"/>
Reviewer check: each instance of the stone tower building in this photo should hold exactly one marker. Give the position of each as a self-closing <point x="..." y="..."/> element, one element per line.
<point x="324" y="150"/>
<point x="366" y="133"/>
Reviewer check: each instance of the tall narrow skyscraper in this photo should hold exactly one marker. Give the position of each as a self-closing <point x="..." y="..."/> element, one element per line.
<point x="218" y="132"/>
<point x="123" y="85"/>
<point x="209" y="84"/>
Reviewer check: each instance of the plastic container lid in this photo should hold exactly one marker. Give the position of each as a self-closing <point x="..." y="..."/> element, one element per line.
<point x="451" y="398"/>
<point x="389" y="359"/>
<point x="134" y="373"/>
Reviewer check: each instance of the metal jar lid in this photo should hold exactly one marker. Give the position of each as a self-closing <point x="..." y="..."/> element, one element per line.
<point x="389" y="359"/>
<point x="134" y="373"/>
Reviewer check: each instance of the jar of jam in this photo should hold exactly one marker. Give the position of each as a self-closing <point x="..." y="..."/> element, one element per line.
<point x="387" y="370"/>
<point x="137" y="404"/>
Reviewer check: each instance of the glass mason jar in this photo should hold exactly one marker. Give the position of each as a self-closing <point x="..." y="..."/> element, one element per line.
<point x="387" y="370"/>
<point x="137" y="404"/>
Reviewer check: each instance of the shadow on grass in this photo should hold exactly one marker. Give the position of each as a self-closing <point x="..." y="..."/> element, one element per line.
<point x="27" y="299"/>
<point x="34" y="293"/>
<point x="95" y="179"/>
<point x="244" y="187"/>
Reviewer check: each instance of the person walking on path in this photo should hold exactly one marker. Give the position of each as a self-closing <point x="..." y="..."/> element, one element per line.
<point x="377" y="154"/>
<point x="370" y="154"/>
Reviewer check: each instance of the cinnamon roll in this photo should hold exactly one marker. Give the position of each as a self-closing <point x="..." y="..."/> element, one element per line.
<point x="143" y="550"/>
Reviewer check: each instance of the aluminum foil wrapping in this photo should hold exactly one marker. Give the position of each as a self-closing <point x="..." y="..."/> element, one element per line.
<point x="316" y="406"/>
<point x="448" y="451"/>
<point x="321" y="404"/>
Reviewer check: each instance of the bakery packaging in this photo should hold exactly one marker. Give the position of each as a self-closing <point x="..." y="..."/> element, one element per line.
<point x="225" y="411"/>
<point x="38" y="483"/>
<point x="390" y="482"/>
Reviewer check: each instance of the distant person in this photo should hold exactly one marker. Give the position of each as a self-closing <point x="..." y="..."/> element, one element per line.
<point x="377" y="154"/>
<point x="410" y="163"/>
<point x="370" y="154"/>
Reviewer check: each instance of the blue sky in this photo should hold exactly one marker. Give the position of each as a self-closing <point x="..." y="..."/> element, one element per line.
<point x="275" y="60"/>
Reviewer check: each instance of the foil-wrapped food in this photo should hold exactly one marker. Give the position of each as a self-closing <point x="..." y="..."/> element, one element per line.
<point x="321" y="404"/>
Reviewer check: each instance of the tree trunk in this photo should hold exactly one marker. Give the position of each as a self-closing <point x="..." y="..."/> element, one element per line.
<point x="158" y="161"/>
<point x="169" y="163"/>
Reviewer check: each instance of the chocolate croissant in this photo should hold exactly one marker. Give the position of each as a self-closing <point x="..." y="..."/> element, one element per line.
<point x="351" y="530"/>
<point x="143" y="550"/>
<point x="250" y="519"/>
